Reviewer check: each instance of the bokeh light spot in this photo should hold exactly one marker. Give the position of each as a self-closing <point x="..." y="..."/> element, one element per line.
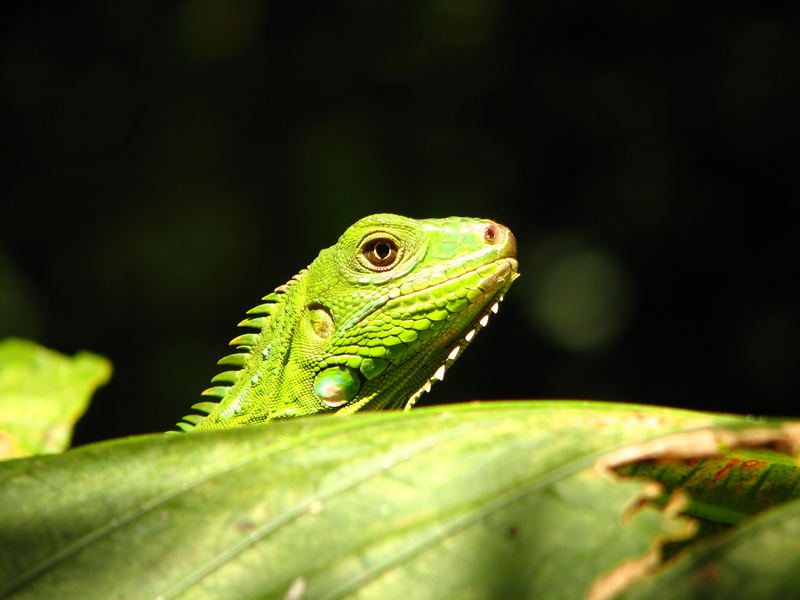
<point x="580" y="296"/>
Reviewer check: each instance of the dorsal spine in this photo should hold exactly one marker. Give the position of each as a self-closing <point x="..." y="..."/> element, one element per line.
<point x="258" y="318"/>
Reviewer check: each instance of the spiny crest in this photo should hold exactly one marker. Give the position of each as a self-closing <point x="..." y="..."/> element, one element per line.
<point x="258" y="318"/>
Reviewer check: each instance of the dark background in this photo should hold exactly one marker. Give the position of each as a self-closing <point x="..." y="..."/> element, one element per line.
<point x="167" y="164"/>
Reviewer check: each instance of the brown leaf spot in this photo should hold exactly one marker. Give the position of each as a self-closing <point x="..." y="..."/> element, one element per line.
<point x="708" y="573"/>
<point x="751" y="464"/>
<point x="726" y="469"/>
<point x="245" y="525"/>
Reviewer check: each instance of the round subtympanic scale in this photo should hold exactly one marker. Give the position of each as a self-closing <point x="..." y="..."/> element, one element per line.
<point x="336" y="386"/>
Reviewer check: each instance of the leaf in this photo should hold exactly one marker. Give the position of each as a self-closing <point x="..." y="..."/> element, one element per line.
<point x="758" y="559"/>
<point x="472" y="501"/>
<point x="42" y="395"/>
<point x="726" y="488"/>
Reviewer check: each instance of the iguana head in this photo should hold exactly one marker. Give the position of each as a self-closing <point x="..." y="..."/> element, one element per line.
<point x="371" y="323"/>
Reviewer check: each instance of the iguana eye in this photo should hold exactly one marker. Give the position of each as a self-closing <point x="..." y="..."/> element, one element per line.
<point x="380" y="252"/>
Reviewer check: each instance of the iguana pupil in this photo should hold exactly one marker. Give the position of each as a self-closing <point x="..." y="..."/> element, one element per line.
<point x="381" y="252"/>
<point x="371" y="323"/>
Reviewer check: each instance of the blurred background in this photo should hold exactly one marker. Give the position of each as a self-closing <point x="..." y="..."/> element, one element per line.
<point x="169" y="163"/>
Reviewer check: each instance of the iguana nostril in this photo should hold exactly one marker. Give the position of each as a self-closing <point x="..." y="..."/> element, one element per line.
<point x="491" y="234"/>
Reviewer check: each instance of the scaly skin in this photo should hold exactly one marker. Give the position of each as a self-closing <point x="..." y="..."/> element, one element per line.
<point x="371" y="323"/>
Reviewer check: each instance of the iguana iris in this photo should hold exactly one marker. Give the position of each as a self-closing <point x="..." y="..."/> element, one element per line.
<point x="371" y="323"/>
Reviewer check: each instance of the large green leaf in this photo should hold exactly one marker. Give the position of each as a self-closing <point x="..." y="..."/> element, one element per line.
<point x="475" y="501"/>
<point x="42" y="395"/>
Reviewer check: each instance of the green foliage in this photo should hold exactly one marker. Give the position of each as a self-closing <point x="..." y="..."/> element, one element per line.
<point x="497" y="500"/>
<point x="726" y="488"/>
<point x="756" y="560"/>
<point x="42" y="395"/>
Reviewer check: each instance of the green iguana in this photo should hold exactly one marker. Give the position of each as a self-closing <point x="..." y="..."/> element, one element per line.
<point x="371" y="323"/>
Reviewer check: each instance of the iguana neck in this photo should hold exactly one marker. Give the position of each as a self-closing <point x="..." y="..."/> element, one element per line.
<point x="258" y="371"/>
